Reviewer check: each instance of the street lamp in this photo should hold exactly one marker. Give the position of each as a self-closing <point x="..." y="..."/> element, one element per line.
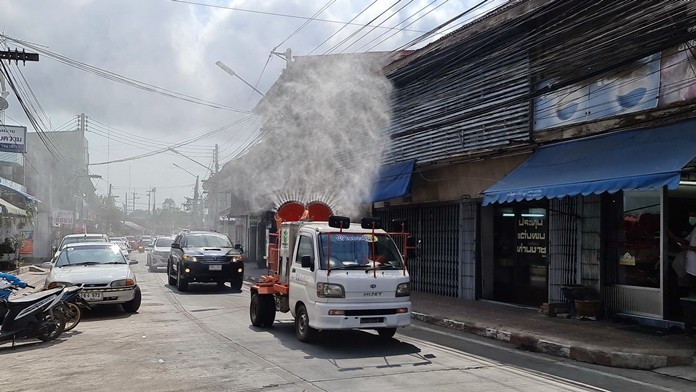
<point x="231" y="72"/>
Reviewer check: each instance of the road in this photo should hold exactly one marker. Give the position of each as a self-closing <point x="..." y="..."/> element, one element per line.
<point x="202" y="340"/>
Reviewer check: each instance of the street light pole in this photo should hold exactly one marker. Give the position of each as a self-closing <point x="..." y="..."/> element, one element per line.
<point x="231" y="72"/>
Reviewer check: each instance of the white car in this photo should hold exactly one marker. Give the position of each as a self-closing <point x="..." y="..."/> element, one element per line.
<point x="74" y="238"/>
<point x="158" y="257"/>
<point x="102" y="269"/>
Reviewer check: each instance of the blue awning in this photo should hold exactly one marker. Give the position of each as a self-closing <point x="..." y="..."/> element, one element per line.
<point x="393" y="181"/>
<point x="19" y="192"/>
<point x="629" y="160"/>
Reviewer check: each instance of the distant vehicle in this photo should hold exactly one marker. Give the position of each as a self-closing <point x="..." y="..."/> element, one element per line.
<point x="75" y="238"/>
<point x="205" y="256"/>
<point x="102" y="269"/>
<point x="157" y="258"/>
<point x="125" y="249"/>
<point x="145" y="239"/>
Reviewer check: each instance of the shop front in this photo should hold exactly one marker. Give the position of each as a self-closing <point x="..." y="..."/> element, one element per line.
<point x="629" y="190"/>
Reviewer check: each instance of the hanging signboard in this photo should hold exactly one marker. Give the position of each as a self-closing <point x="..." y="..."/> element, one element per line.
<point x="13" y="138"/>
<point x="63" y="218"/>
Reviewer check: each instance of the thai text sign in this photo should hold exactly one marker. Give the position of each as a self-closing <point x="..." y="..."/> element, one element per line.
<point x="63" y="218"/>
<point x="13" y="138"/>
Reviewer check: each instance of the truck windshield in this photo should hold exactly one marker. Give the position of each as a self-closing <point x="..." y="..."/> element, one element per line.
<point x="359" y="251"/>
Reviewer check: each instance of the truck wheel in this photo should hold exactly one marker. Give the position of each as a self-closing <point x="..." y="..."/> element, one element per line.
<point x="304" y="332"/>
<point x="268" y="310"/>
<point x="181" y="282"/>
<point x="262" y="310"/>
<point x="171" y="280"/>
<point x="386" y="333"/>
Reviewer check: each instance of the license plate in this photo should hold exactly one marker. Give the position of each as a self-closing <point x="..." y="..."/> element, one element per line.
<point x="91" y="296"/>
<point x="214" y="267"/>
<point x="371" y="320"/>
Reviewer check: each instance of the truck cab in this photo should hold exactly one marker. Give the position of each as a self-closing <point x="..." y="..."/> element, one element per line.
<point x="334" y="275"/>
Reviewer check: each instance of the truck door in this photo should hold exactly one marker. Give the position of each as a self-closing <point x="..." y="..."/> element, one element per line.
<point x="302" y="282"/>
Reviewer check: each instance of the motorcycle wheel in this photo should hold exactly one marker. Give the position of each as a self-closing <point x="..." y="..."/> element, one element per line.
<point x="73" y="313"/>
<point x="57" y="317"/>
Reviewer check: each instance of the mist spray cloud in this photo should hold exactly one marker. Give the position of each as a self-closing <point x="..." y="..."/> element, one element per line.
<point x="324" y="131"/>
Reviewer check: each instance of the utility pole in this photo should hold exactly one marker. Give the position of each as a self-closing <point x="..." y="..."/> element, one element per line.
<point x="154" y="204"/>
<point x="134" y="197"/>
<point x="125" y="206"/>
<point x="149" y="194"/>
<point x="216" y="155"/>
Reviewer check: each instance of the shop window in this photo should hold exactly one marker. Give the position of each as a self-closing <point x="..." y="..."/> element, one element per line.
<point x="520" y="254"/>
<point x="632" y="232"/>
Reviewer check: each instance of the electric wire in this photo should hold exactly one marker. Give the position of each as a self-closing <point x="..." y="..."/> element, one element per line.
<point x="112" y="76"/>
<point x="372" y="29"/>
<point x="344" y="26"/>
<point x="281" y="14"/>
<point x="306" y="23"/>
<point x="336" y="46"/>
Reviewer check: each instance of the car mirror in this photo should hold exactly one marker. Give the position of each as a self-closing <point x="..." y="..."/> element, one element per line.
<point x="54" y="249"/>
<point x="306" y="261"/>
<point x="47" y="264"/>
<point x="131" y="261"/>
<point x="239" y="248"/>
<point x="176" y="246"/>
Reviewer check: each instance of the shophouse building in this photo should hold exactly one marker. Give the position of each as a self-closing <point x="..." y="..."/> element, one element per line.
<point x="547" y="144"/>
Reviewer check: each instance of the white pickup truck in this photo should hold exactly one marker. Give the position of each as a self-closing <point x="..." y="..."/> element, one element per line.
<point x="334" y="275"/>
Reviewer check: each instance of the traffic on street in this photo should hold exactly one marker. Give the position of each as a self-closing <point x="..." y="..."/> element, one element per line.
<point x="202" y="339"/>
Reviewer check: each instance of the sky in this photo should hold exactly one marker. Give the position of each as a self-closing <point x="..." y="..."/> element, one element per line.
<point x="172" y="46"/>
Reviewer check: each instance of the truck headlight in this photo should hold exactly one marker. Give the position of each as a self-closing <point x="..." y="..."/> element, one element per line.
<point x="330" y="290"/>
<point x="403" y="289"/>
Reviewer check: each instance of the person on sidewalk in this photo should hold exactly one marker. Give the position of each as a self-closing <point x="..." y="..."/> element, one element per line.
<point x="688" y="245"/>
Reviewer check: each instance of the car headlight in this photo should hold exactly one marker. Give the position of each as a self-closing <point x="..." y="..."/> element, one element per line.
<point x="403" y="289"/>
<point x="330" y="290"/>
<point x="123" y="283"/>
<point x="236" y="258"/>
<point x="53" y="285"/>
<point x="190" y="258"/>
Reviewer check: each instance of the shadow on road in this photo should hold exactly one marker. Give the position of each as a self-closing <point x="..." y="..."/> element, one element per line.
<point x="340" y="344"/>
<point x="103" y="312"/>
<point x="202" y="288"/>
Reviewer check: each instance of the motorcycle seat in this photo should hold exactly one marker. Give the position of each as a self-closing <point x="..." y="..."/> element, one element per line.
<point x="34" y="296"/>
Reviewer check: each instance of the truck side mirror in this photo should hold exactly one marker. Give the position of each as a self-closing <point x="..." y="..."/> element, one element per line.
<point x="411" y="245"/>
<point x="239" y="248"/>
<point x="306" y="261"/>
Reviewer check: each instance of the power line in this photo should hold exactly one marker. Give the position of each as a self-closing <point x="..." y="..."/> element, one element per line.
<point x="122" y="79"/>
<point x="283" y="15"/>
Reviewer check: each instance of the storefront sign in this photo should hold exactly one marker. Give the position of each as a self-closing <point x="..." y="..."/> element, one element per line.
<point x="531" y="236"/>
<point x="13" y="138"/>
<point x="63" y="218"/>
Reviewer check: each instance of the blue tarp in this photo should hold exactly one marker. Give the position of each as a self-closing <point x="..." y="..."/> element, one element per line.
<point x="393" y="181"/>
<point x="628" y="160"/>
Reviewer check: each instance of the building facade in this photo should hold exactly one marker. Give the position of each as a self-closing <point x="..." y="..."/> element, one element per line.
<point x="553" y="146"/>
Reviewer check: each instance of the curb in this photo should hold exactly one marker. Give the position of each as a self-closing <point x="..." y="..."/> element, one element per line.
<point x="585" y="354"/>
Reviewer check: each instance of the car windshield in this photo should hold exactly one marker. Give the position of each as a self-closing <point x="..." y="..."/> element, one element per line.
<point x="208" y="240"/>
<point x="359" y="251"/>
<point x="164" y="242"/>
<point x="87" y="255"/>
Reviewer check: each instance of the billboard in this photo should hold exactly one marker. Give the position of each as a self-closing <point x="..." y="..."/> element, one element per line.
<point x="13" y="138"/>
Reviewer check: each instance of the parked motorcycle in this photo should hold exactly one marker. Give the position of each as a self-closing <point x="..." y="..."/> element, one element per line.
<point x="71" y="306"/>
<point x="32" y="316"/>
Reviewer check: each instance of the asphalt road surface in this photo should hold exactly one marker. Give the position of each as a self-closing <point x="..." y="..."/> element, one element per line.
<point x="202" y="340"/>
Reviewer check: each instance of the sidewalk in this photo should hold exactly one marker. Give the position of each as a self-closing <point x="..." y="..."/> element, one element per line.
<point x="600" y="342"/>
